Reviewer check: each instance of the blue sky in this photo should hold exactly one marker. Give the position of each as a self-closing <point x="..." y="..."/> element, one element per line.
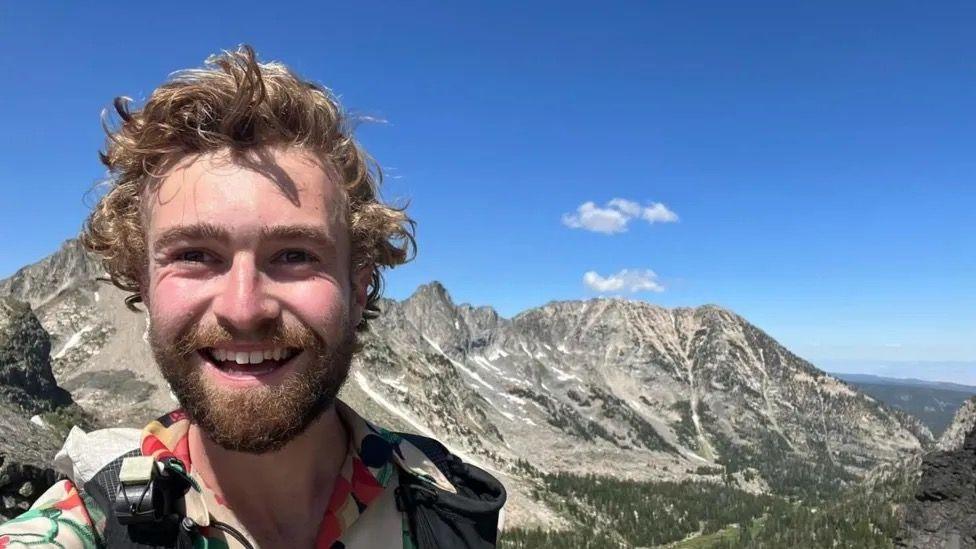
<point x="807" y="165"/>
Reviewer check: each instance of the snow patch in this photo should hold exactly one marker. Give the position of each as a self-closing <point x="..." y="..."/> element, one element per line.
<point x="693" y="455"/>
<point x="433" y="344"/>
<point x="482" y="361"/>
<point x="73" y="341"/>
<point x="564" y="376"/>
<point x="518" y="400"/>
<point x="474" y="375"/>
<point x="37" y="420"/>
<point x="371" y="393"/>
<point x="515" y="380"/>
<point x="364" y="385"/>
<point x="496" y="353"/>
<point x="459" y="366"/>
<point x="397" y="384"/>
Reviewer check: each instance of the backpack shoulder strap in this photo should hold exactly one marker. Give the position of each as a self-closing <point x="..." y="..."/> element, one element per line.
<point x="438" y="519"/>
<point x="432" y="448"/>
<point x="102" y="488"/>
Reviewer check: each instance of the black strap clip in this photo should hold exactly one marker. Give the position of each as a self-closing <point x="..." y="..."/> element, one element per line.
<point x="149" y="490"/>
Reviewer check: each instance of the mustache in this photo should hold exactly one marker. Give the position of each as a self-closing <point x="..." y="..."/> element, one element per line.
<point x="198" y="336"/>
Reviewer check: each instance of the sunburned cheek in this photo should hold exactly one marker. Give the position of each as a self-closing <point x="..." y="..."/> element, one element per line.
<point x="323" y="295"/>
<point x="178" y="297"/>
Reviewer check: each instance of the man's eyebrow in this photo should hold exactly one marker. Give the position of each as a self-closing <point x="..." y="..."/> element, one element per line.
<point x="298" y="232"/>
<point x="210" y="231"/>
<point x="197" y="231"/>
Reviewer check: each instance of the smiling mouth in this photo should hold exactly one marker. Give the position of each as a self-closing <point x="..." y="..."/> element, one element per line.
<point x="249" y="363"/>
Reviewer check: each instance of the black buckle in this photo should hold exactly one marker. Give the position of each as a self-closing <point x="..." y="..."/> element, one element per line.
<point x="151" y="501"/>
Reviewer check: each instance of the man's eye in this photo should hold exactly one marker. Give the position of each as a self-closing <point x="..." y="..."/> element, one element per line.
<point x="295" y="256"/>
<point x="195" y="256"/>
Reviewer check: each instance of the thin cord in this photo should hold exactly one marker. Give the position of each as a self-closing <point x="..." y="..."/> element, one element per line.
<point x="233" y="532"/>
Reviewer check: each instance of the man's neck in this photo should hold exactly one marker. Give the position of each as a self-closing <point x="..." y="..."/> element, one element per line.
<point x="280" y="495"/>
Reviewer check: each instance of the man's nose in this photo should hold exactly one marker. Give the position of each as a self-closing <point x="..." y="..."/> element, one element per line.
<point x="243" y="304"/>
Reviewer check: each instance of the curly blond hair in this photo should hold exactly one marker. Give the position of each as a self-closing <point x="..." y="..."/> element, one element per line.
<point x="236" y="103"/>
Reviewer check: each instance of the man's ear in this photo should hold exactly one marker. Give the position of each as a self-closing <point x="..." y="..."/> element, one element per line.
<point x="360" y="286"/>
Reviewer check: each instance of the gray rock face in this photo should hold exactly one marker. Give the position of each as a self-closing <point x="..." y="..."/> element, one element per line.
<point x="943" y="513"/>
<point x="26" y="451"/>
<point x="27" y="387"/>
<point x="39" y="283"/>
<point x="25" y="368"/>
<point x="622" y="388"/>
<point x="962" y="424"/>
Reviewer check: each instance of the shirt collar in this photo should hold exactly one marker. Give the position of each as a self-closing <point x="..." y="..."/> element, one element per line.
<point x="378" y="449"/>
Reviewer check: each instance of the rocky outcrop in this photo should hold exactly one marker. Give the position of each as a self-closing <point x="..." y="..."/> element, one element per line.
<point x="27" y="387"/>
<point x="26" y="451"/>
<point x="26" y="379"/>
<point x="943" y="512"/>
<point x="963" y="423"/>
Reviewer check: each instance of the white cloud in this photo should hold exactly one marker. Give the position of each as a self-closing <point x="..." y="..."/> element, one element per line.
<point x="658" y="213"/>
<point x="616" y="215"/>
<point x="626" y="280"/>
<point x="600" y="220"/>
<point x="628" y="207"/>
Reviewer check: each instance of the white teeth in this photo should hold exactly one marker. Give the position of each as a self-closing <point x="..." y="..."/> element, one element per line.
<point x="250" y="357"/>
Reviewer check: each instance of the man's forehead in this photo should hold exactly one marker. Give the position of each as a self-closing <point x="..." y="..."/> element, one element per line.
<point x="276" y="187"/>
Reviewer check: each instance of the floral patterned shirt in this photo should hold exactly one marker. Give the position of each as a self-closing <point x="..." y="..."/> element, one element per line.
<point x="361" y="513"/>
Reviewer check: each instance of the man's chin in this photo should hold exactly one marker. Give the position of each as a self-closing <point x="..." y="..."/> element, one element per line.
<point x="260" y="417"/>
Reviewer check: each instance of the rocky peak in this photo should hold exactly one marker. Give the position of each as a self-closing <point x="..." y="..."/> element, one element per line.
<point x="432" y="292"/>
<point x="432" y="311"/>
<point x="26" y="378"/>
<point x="71" y="266"/>
<point x="962" y="425"/>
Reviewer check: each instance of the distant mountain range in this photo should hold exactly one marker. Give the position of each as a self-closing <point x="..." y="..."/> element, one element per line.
<point x="933" y="402"/>
<point x="910" y="382"/>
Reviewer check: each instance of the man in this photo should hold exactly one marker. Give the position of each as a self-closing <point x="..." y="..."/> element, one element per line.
<point x="247" y="221"/>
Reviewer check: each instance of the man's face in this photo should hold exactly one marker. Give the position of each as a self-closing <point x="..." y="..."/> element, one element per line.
<point x="250" y="298"/>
